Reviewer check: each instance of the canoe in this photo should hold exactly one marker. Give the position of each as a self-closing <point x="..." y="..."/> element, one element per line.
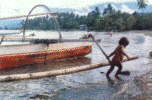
<point x="27" y="54"/>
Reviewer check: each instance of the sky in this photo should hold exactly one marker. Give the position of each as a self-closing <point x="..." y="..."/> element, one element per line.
<point x="22" y="7"/>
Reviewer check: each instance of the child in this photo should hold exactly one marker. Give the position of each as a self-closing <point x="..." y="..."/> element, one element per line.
<point x="117" y="59"/>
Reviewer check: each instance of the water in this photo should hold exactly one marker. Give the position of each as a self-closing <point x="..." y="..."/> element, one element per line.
<point x="87" y="85"/>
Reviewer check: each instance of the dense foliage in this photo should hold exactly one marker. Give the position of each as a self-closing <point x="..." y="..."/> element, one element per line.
<point x="109" y="20"/>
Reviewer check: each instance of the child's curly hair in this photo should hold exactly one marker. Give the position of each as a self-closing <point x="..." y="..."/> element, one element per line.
<point x="124" y="41"/>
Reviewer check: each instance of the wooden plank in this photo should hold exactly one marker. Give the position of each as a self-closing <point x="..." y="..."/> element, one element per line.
<point x="56" y="72"/>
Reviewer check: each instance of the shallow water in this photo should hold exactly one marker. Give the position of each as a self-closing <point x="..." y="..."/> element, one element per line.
<point x="87" y="85"/>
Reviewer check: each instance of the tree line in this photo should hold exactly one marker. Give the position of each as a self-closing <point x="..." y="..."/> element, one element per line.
<point x="109" y="20"/>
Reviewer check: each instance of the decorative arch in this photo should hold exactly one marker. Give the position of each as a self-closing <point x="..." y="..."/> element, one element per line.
<point x="49" y="12"/>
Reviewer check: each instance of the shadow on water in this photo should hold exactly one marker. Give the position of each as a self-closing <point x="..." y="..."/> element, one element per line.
<point x="50" y="65"/>
<point x="98" y="91"/>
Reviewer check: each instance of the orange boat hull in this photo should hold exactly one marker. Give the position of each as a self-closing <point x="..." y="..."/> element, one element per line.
<point x="22" y="59"/>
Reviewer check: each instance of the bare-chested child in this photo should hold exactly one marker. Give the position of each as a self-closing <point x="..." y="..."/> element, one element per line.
<point x="118" y="55"/>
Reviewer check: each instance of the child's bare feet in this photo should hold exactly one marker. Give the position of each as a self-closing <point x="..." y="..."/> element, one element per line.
<point x="109" y="79"/>
<point x="125" y="73"/>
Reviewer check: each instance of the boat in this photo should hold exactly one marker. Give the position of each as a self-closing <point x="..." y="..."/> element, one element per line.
<point x="39" y="51"/>
<point x="28" y="54"/>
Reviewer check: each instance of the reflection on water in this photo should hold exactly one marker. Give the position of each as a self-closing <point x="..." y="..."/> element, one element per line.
<point x="87" y="85"/>
<point x="50" y="65"/>
<point x="139" y="39"/>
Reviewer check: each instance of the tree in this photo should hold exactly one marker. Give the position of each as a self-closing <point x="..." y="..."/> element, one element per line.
<point x="97" y="12"/>
<point x="141" y="4"/>
<point x="108" y="11"/>
<point x="131" y="20"/>
<point x="92" y="18"/>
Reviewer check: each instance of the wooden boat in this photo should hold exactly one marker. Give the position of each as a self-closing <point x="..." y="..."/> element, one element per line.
<point x="27" y="54"/>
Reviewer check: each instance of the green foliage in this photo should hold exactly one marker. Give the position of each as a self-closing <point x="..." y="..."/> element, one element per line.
<point x="110" y="20"/>
<point x="40" y="23"/>
<point x="143" y="21"/>
<point x="117" y="21"/>
<point x="131" y="20"/>
<point x="69" y="21"/>
<point x="92" y="19"/>
<point x="66" y="21"/>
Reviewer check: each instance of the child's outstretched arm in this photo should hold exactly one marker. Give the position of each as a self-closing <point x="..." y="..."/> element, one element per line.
<point x="112" y="53"/>
<point x="126" y="55"/>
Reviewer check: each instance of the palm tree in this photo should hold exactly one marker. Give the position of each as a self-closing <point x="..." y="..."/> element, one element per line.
<point x="141" y="4"/>
<point x="109" y="10"/>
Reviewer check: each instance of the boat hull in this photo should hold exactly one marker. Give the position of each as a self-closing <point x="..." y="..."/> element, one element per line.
<point x="22" y="59"/>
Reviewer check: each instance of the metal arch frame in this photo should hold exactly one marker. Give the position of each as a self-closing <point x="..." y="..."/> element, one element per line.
<point x="44" y="6"/>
